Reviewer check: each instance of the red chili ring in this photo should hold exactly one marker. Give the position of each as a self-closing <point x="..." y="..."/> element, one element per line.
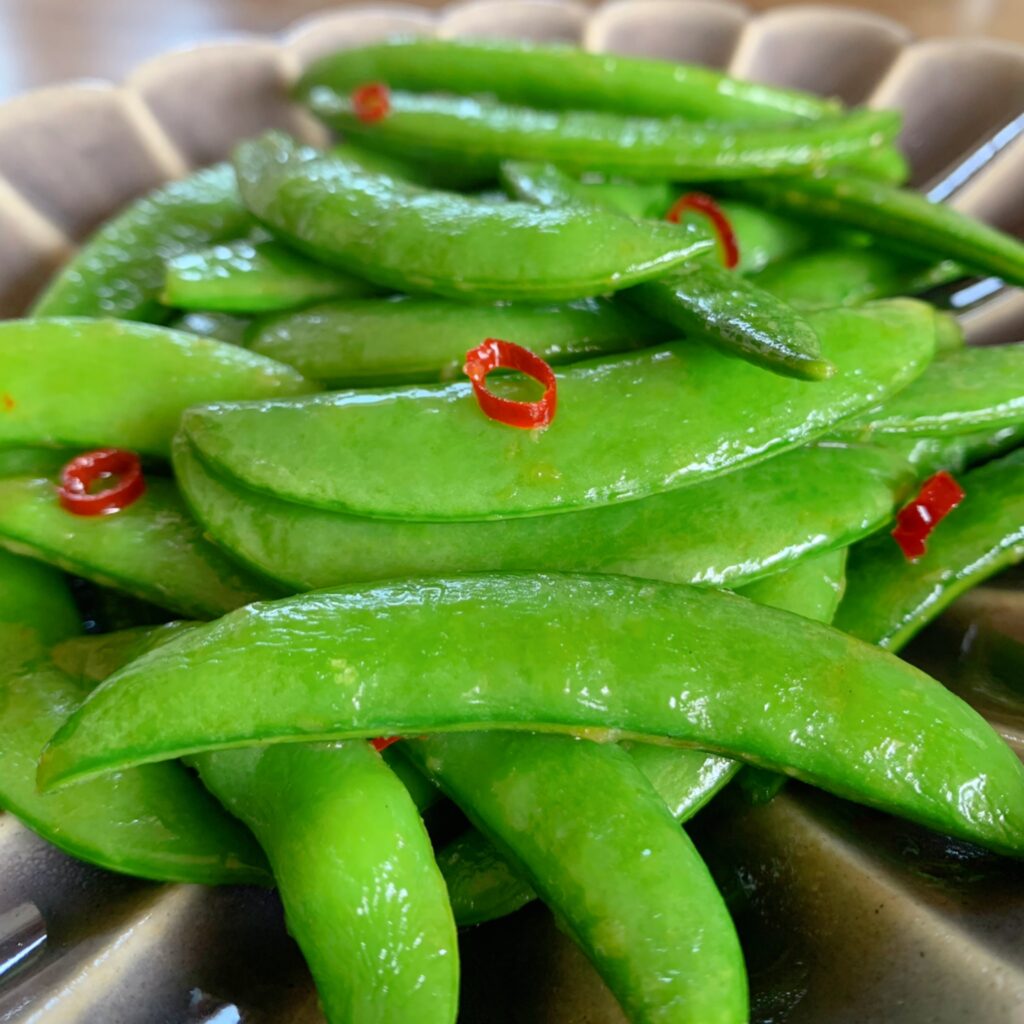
<point x="371" y="102"/>
<point x="938" y="496"/>
<point x="494" y="354"/>
<point x="105" y="463"/>
<point x="383" y="742"/>
<point x="701" y="202"/>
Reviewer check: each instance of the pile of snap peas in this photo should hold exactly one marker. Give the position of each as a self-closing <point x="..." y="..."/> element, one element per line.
<point x="578" y="633"/>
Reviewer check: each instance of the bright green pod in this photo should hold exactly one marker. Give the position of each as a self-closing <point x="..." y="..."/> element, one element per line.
<point x="98" y="383"/>
<point x="93" y="657"/>
<point x="949" y="332"/>
<point x="153" y="822"/>
<point x="598" y="656"/>
<point x="402" y="340"/>
<point x="207" y="324"/>
<point x="33" y="461"/>
<point x="562" y="77"/>
<point x="889" y="598"/>
<point x="927" y="455"/>
<point x="152" y="549"/>
<point x="485" y="131"/>
<point x="119" y="272"/>
<point x="576" y="815"/>
<point x="401" y="236"/>
<point x="627" y="426"/>
<point x="719" y="533"/>
<point x="253" y="276"/>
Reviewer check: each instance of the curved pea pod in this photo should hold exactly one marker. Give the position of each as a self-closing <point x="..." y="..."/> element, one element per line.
<point x="896" y="218"/>
<point x="362" y="894"/>
<point x="956" y="452"/>
<point x="359" y="342"/>
<point x="483" y="130"/>
<point x="575" y="815"/>
<point x="152" y="549"/>
<point x="155" y="821"/>
<point x="740" y="526"/>
<point x="401" y="236"/>
<point x="603" y="656"/>
<point x="628" y="426"/>
<point x="209" y="324"/>
<point x="889" y="599"/>
<point x="95" y="383"/>
<point x="33" y="461"/>
<point x="119" y="272"/>
<point x="93" y="657"/>
<point x="971" y="389"/>
<point x="253" y="276"/>
<point x="561" y="77"/>
<point x="949" y="332"/>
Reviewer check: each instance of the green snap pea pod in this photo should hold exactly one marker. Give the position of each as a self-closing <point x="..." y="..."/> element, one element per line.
<point x="895" y="217"/>
<point x="33" y="461"/>
<point x="575" y="815"/>
<point x="764" y="238"/>
<point x="628" y="426"/>
<point x="927" y="455"/>
<point x="889" y="599"/>
<point x="253" y="276"/>
<point x="562" y="77"/>
<point x="119" y="272"/>
<point x="730" y="529"/>
<point x="154" y="821"/>
<point x="208" y="324"/>
<point x="604" y="656"/>
<point x="412" y="239"/>
<point x="353" y="342"/>
<point x="586" y="140"/>
<point x="949" y="333"/>
<point x="152" y="549"/>
<point x="95" y="383"/>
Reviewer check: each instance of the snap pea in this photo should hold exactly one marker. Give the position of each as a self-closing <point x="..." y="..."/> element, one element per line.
<point x="576" y="814"/>
<point x="122" y="384"/>
<point x="628" y="426"/>
<point x="33" y="461"/>
<point x="253" y="276"/>
<point x="485" y="131"/>
<point x="927" y="455"/>
<point x="896" y="218"/>
<point x="561" y="77"/>
<point x="207" y="324"/>
<point x="737" y="527"/>
<point x="152" y="549"/>
<point x="154" y="822"/>
<point x="601" y="656"/>
<point x="890" y="599"/>
<point x="949" y="332"/>
<point x="119" y="272"/>
<point x="92" y="658"/>
<point x="401" y="236"/>
<point x="352" y="342"/>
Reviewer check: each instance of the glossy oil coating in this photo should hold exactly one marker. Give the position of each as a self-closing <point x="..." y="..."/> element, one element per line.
<point x="155" y="821"/>
<point x="153" y="549"/>
<point x="598" y="844"/>
<point x="889" y="599"/>
<point x="487" y="132"/>
<point x="627" y="426"/>
<point x="106" y="383"/>
<point x="222" y="326"/>
<point x="734" y="528"/>
<point x="413" y="239"/>
<point x="604" y="656"/>
<point x="119" y="272"/>
<point x="561" y="77"/>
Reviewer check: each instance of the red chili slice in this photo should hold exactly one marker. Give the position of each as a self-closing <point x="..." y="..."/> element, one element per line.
<point x="121" y="468"/>
<point x="371" y="102"/>
<point x="939" y="495"/>
<point x="491" y="355"/>
<point x="382" y="743"/>
<point x="701" y="202"/>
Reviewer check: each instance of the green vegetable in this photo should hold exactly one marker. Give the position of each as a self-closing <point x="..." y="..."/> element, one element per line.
<point x="93" y="658"/>
<point x="221" y="326"/>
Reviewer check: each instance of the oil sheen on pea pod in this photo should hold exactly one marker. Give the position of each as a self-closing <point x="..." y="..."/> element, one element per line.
<point x="484" y="130"/>
<point x="154" y="821"/>
<point x="602" y="656"/>
<point x="98" y="383"/>
<point x="412" y="239"/>
<point x="577" y="815"/>
<point x="889" y="598"/>
<point x="562" y="77"/>
<point x="208" y="324"/>
<point x="719" y="533"/>
<point x="119" y="272"/>
<point x="152" y="549"/>
<point x="404" y="339"/>
<point x="627" y="426"/>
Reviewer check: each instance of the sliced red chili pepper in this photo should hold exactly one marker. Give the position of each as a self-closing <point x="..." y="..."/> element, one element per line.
<point x="938" y="496"/>
<point x="701" y="202"/>
<point x="382" y="743"/>
<point x="121" y="468"/>
<point x="494" y="354"/>
<point x="371" y="102"/>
